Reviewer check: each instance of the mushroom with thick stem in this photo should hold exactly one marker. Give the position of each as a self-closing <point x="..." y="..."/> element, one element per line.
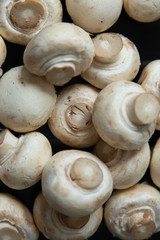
<point x="155" y="164"/>
<point x="124" y="115"/>
<point x="71" y="120"/>
<point x="127" y="167"/>
<point x="16" y="220"/>
<point x="21" y="20"/>
<point x="57" y="226"/>
<point x="150" y="81"/>
<point x="3" y="53"/>
<point x="133" y="213"/>
<point x="94" y="15"/>
<point x="59" y="52"/>
<point x="76" y="182"/>
<point x="142" y="10"/>
<point x="23" y="158"/>
<point x="116" y="58"/>
<point x="26" y="100"/>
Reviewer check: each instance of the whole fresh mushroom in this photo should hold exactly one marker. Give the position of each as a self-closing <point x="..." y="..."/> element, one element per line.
<point x="76" y="182"/>
<point x="127" y="167"/>
<point x="3" y="53"/>
<point x="142" y="10"/>
<point x="21" y="20"/>
<point x="155" y="164"/>
<point x="150" y="81"/>
<point x="94" y="15"/>
<point x="16" y="221"/>
<point x="26" y="100"/>
<point x="59" y="52"/>
<point x="133" y="213"/>
<point x="57" y="226"/>
<point x="23" y="158"/>
<point x="124" y="115"/>
<point x="116" y="58"/>
<point x="71" y="120"/>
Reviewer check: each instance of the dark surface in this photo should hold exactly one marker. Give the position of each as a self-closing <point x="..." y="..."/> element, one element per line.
<point x="147" y="39"/>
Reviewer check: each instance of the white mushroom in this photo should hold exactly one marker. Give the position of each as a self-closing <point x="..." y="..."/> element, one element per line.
<point x="76" y="182"/>
<point x="94" y="15"/>
<point x="26" y="100"/>
<point x="16" y="221"/>
<point x="150" y="81"/>
<point x="127" y="167"/>
<point x="155" y="163"/>
<point x="3" y="53"/>
<point x="21" y="20"/>
<point x="124" y="115"/>
<point x="56" y="226"/>
<point x="116" y="58"/>
<point x="142" y="10"/>
<point x="133" y="213"/>
<point x="59" y="52"/>
<point x="71" y="120"/>
<point x="23" y="158"/>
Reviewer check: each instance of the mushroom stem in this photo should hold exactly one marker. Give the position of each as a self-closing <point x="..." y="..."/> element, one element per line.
<point x="7" y="143"/>
<point x="8" y="231"/>
<point x="83" y="172"/>
<point x="145" y="109"/>
<point x="107" y="47"/>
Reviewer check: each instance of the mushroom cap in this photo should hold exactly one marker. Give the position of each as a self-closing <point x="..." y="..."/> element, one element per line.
<point x="56" y="226"/>
<point x="26" y="100"/>
<point x="116" y="58"/>
<point x="142" y="10"/>
<point x="76" y="182"/>
<point x="59" y="52"/>
<point x="3" y="53"/>
<point x="22" y="165"/>
<point x="71" y="120"/>
<point x="16" y="221"/>
<point x="94" y="15"/>
<point x="127" y="167"/>
<point x="21" y="20"/>
<point x="133" y="213"/>
<point x="150" y="81"/>
<point x="155" y="164"/>
<point x="114" y="114"/>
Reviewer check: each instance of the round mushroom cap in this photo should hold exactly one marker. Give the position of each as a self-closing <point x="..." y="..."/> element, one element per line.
<point x="142" y="10"/>
<point x="155" y="164"/>
<point x="94" y="15"/>
<point x="21" y="20"/>
<point x="3" y="53"/>
<point x="133" y="213"/>
<point x="71" y="120"/>
<point x="16" y="221"/>
<point x="76" y="182"/>
<point x="59" y="52"/>
<point x="56" y="226"/>
<point x="26" y="100"/>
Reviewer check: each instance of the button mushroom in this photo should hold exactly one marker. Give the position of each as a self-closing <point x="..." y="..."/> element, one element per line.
<point x="150" y="81"/>
<point x="142" y="10"/>
<point x="56" y="226"/>
<point x="26" y="100"/>
<point x="116" y="58"/>
<point x="124" y="115"/>
<point x="133" y="213"/>
<point x="59" y="52"/>
<point x="21" y="20"/>
<point x="23" y="158"/>
<point x="16" y="221"/>
<point x="76" y="182"/>
<point x="127" y="167"/>
<point x="94" y="16"/>
<point x="3" y="53"/>
<point x="71" y="120"/>
<point x="155" y="164"/>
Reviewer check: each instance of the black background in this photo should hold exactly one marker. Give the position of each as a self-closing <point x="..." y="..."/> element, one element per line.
<point x="146" y="37"/>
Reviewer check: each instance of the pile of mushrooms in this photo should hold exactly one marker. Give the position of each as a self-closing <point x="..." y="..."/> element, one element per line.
<point x="79" y="121"/>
